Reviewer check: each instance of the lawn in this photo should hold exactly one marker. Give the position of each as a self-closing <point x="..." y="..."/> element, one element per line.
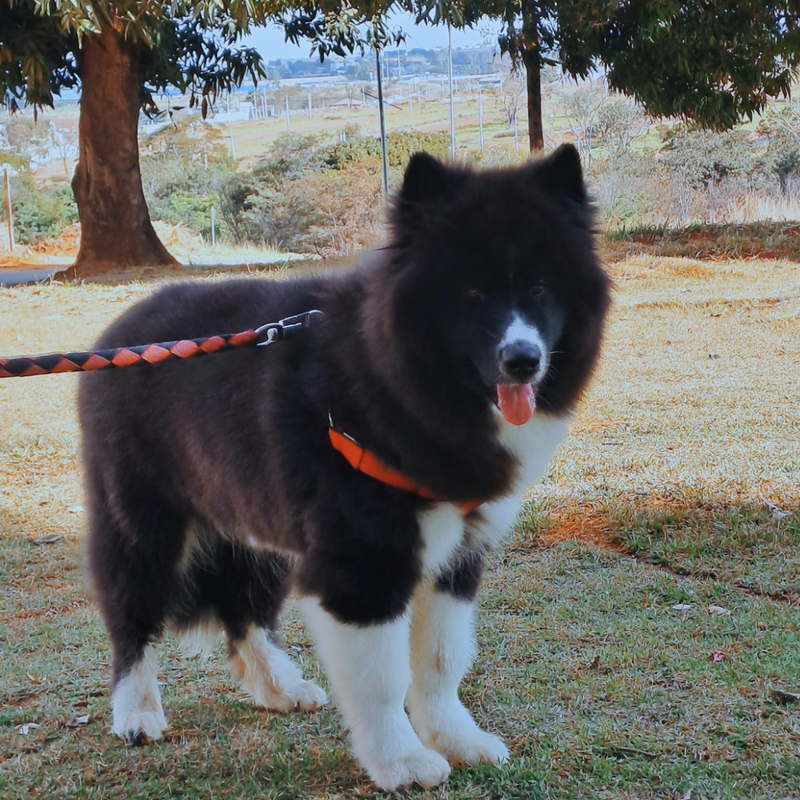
<point x="639" y="632"/>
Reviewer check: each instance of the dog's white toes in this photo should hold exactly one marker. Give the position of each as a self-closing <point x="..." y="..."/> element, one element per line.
<point x="420" y="766"/>
<point x="138" y="727"/>
<point x="307" y="696"/>
<point x="471" y="746"/>
<point x="303" y="696"/>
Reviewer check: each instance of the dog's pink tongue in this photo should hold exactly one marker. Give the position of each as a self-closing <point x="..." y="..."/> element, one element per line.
<point x="517" y="402"/>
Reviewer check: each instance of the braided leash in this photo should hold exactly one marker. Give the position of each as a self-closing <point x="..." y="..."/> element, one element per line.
<point x="118" y="357"/>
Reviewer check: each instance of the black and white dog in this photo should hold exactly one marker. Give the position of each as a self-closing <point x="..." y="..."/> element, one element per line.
<point x="453" y="357"/>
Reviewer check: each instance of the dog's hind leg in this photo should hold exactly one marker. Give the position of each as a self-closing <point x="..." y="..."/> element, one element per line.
<point x="244" y="589"/>
<point x="442" y="648"/>
<point x="133" y="555"/>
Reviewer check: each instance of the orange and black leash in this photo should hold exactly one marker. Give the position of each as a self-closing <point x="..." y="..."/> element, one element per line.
<point x="156" y="353"/>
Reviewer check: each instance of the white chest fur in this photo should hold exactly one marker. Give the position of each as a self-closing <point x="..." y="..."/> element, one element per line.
<point x="442" y="526"/>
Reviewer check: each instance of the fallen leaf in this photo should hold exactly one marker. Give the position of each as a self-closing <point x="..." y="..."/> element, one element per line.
<point x="762" y="626"/>
<point x="718" y="611"/>
<point x="53" y="537"/>
<point x="682" y="607"/>
<point x="75" y="720"/>
<point x="718" y="656"/>
<point x="778" y="512"/>
<point x="27" y="727"/>
<point x="206" y="701"/>
<point x="75" y="509"/>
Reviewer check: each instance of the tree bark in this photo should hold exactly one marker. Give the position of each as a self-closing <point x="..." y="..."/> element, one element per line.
<point x="116" y="231"/>
<point x="533" y="76"/>
<point x="533" y="73"/>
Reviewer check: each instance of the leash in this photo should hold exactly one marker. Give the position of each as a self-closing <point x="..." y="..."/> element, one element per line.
<point x="119" y="357"/>
<point x="357" y="456"/>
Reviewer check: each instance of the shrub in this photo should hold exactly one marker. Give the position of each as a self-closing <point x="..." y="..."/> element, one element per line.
<point x="704" y="158"/>
<point x="40" y="211"/>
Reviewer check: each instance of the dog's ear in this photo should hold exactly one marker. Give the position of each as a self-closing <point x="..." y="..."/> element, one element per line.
<point x="561" y="174"/>
<point x="427" y="183"/>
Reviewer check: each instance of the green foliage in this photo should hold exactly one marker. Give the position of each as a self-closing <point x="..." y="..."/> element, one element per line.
<point x="400" y="146"/>
<point x="188" y="46"/>
<point x="704" y="158"/>
<point x="40" y="211"/>
<point x="781" y="127"/>
<point x="185" y="172"/>
<point x="714" y="63"/>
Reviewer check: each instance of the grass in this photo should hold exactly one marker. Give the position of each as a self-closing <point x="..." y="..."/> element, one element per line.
<point x="605" y="661"/>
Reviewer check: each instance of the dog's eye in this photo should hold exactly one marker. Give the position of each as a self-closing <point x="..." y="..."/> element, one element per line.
<point x="537" y="290"/>
<point x="475" y="294"/>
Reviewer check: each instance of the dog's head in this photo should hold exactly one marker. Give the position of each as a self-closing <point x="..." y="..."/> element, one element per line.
<point x="498" y="284"/>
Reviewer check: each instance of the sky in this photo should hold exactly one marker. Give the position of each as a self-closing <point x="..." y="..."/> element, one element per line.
<point x="269" y="41"/>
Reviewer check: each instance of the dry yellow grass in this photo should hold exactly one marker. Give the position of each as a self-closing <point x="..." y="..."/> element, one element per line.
<point x="698" y="393"/>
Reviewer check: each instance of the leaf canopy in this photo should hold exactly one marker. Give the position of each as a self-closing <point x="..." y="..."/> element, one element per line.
<point x="714" y="62"/>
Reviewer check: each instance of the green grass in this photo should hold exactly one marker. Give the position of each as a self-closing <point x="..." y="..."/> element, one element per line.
<point x="601" y="688"/>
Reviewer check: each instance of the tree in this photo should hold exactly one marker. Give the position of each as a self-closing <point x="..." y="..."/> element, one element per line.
<point x="713" y="62"/>
<point x="121" y="53"/>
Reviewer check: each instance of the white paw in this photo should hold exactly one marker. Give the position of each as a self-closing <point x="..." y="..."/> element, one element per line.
<point x="420" y="766"/>
<point x="470" y="746"/>
<point x="271" y="678"/>
<point x="303" y="696"/>
<point x="139" y="726"/>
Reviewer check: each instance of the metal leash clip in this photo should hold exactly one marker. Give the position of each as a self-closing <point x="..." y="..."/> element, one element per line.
<point x="283" y="329"/>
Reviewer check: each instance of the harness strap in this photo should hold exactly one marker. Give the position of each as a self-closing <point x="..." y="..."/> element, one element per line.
<point x="367" y="462"/>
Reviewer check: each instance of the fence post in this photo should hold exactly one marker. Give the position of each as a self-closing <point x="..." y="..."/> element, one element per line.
<point x="9" y="217"/>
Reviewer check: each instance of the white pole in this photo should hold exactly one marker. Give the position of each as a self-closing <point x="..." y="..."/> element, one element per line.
<point x="309" y="105"/>
<point x="288" y="121"/>
<point x="480" y="112"/>
<point x="450" y="79"/>
<point x="9" y="216"/>
<point x="233" y="146"/>
<point x="213" y="226"/>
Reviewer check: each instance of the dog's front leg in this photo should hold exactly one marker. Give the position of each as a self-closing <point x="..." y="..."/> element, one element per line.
<point x="442" y="648"/>
<point x="369" y="671"/>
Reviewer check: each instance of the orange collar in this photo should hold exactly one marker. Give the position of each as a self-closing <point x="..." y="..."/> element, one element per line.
<point x="367" y="462"/>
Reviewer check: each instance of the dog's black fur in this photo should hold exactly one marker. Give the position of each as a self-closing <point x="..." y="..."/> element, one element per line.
<point x="236" y="445"/>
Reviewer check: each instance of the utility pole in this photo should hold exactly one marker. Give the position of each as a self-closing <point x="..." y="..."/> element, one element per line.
<point x="450" y="80"/>
<point x="384" y="157"/>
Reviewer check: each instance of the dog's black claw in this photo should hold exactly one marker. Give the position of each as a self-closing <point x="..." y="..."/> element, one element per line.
<point x="136" y="738"/>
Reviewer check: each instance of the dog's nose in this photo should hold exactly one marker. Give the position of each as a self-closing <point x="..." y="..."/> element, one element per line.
<point x="520" y="360"/>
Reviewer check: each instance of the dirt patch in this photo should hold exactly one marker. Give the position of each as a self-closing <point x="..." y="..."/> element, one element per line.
<point x="590" y="529"/>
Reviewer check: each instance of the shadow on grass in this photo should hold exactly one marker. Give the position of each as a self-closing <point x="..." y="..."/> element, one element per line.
<point x="753" y="545"/>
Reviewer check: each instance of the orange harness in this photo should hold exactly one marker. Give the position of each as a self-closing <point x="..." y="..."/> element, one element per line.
<point x="367" y="462"/>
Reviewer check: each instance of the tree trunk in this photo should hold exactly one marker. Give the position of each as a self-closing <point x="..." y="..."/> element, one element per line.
<point x="116" y="231"/>
<point x="533" y="74"/>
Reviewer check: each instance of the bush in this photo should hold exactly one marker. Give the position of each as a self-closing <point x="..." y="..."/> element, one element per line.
<point x="40" y="211"/>
<point x="186" y="170"/>
<point x="704" y="158"/>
